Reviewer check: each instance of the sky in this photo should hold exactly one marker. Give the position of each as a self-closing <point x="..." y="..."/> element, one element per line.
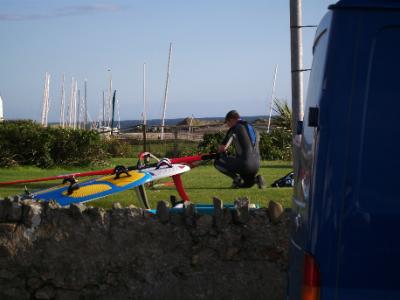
<point x="224" y="54"/>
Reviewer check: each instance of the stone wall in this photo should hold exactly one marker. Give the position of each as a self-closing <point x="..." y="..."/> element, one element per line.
<point x="49" y="252"/>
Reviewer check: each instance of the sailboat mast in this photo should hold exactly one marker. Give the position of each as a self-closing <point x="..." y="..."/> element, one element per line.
<point x="144" y="96"/>
<point x="62" y="105"/>
<point x="109" y="112"/>
<point x="104" y="112"/>
<point x="272" y="98"/>
<point x="75" y="101"/>
<point x="78" y="118"/>
<point x="45" y="100"/>
<point x="70" y="103"/>
<point x="166" y="93"/>
<point x="85" y="119"/>
<point x="1" y="110"/>
<point x="112" y="113"/>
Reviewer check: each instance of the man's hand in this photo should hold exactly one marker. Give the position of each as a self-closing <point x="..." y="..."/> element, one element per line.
<point x="221" y="148"/>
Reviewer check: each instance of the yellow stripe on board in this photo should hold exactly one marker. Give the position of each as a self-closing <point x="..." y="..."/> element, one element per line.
<point x="123" y="180"/>
<point x="88" y="190"/>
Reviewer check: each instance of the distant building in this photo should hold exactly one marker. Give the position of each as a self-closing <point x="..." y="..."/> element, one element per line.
<point x="1" y="110"/>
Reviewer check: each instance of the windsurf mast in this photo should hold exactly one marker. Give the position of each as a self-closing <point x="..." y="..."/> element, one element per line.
<point x="166" y="93"/>
<point x="272" y="97"/>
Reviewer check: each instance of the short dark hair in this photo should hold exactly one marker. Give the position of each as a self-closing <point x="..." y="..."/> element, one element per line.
<point x="233" y="114"/>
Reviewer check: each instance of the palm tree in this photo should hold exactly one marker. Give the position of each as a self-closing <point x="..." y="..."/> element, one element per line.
<point x="283" y="116"/>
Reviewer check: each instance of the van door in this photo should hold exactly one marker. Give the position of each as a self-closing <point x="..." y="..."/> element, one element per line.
<point x="369" y="243"/>
<point x="302" y="189"/>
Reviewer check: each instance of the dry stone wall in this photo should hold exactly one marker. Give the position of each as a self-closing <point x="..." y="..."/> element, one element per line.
<point x="49" y="252"/>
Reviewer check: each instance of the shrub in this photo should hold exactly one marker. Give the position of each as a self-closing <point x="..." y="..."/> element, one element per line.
<point x="210" y="142"/>
<point x="118" y="148"/>
<point x="277" y="145"/>
<point x="27" y="143"/>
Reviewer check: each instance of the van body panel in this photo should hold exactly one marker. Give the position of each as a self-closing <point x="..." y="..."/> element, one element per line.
<point x="344" y="211"/>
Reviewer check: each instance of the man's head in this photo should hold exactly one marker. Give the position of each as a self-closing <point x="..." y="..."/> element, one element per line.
<point x="231" y="118"/>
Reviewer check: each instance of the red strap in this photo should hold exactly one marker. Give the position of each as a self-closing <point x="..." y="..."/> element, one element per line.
<point x="179" y="187"/>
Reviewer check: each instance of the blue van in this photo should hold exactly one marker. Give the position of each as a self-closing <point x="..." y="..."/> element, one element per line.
<point x="345" y="239"/>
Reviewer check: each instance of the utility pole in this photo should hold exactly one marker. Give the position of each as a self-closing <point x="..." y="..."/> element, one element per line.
<point x="166" y="93"/>
<point x="297" y="76"/>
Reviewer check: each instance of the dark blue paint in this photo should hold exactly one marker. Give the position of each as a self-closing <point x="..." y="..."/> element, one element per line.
<point x="346" y="206"/>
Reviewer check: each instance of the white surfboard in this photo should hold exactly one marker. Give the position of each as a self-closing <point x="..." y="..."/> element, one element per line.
<point x="164" y="171"/>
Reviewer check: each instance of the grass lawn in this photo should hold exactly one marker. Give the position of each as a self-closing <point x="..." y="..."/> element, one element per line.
<point x="201" y="184"/>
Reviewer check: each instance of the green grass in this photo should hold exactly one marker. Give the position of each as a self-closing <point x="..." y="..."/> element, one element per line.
<point x="201" y="184"/>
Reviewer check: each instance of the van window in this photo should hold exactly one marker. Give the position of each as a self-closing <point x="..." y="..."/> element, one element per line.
<point x="316" y="80"/>
<point x="379" y="155"/>
<point x="313" y="95"/>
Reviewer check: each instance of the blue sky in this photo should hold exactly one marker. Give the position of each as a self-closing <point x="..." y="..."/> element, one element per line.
<point x="224" y="53"/>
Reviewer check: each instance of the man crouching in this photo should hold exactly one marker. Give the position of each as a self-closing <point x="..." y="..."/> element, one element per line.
<point x="244" y="166"/>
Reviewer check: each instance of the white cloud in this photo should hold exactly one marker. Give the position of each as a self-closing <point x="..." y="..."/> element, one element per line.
<point x="63" y="12"/>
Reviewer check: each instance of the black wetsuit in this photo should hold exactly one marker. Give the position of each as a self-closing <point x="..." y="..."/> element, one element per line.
<point x="246" y="163"/>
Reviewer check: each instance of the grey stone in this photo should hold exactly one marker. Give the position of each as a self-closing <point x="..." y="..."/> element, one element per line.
<point x="204" y="224"/>
<point x="5" y="205"/>
<point x="7" y="230"/>
<point x="31" y="214"/>
<point x="14" y="294"/>
<point x="34" y="283"/>
<point x="163" y="211"/>
<point x="275" y="211"/>
<point x="17" y="198"/>
<point x="6" y="274"/>
<point x="242" y="202"/>
<point x="218" y="212"/>
<point x="176" y="219"/>
<point x="231" y="253"/>
<point x="76" y="210"/>
<point x="67" y="295"/>
<point x="45" y="293"/>
<point x="116" y="205"/>
<point x="96" y="215"/>
<point x="49" y="205"/>
<point x="241" y="213"/>
<point x="14" y="212"/>
<point x="189" y="213"/>
<point x="227" y="217"/>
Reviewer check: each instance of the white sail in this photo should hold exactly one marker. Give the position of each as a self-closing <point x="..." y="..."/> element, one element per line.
<point x="1" y="109"/>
